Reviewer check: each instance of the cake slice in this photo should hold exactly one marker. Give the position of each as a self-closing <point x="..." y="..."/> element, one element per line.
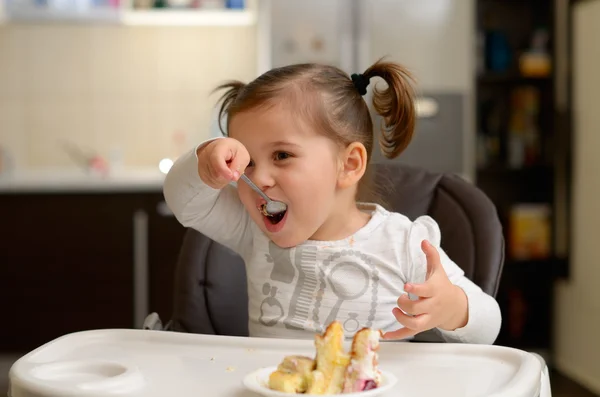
<point x="333" y="371"/>
<point x="292" y="374"/>
<point x="363" y="372"/>
<point x="331" y="362"/>
<point x="301" y="364"/>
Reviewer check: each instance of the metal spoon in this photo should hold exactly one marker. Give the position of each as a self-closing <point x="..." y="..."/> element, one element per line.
<point x="273" y="207"/>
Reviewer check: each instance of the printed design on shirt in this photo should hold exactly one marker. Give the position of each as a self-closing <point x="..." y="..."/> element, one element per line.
<point x="283" y="269"/>
<point x="338" y="274"/>
<point x="310" y="287"/>
<point x="268" y="316"/>
<point x="351" y="324"/>
<point x="304" y="291"/>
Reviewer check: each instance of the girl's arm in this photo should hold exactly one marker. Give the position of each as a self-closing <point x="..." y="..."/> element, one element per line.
<point x="484" y="317"/>
<point x="216" y="213"/>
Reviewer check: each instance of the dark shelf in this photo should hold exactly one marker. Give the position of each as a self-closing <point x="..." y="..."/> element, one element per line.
<point x="557" y="266"/>
<point x="506" y="186"/>
<point x="511" y="79"/>
<point x="526" y="300"/>
<point x="502" y="170"/>
<point x="509" y="102"/>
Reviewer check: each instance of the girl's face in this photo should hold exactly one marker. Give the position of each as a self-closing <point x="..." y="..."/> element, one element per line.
<point x="290" y="163"/>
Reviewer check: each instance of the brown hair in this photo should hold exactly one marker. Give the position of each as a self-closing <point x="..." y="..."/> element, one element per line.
<point x="330" y="100"/>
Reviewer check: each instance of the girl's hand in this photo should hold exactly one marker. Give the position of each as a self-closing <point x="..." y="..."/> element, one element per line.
<point x="222" y="161"/>
<point x="441" y="304"/>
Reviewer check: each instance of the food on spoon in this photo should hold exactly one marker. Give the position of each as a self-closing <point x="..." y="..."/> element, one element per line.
<point x="273" y="218"/>
<point x="263" y="209"/>
<point x="333" y="371"/>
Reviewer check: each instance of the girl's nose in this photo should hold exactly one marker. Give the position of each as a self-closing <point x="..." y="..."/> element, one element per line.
<point x="263" y="177"/>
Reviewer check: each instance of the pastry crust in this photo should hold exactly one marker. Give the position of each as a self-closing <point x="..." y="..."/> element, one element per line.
<point x="292" y="374"/>
<point x="288" y="382"/>
<point x="302" y="364"/>
<point x="331" y="360"/>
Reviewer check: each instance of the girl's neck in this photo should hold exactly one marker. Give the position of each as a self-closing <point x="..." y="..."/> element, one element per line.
<point x="342" y="223"/>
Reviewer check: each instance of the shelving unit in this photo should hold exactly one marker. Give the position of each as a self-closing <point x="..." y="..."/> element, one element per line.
<point x="125" y="14"/>
<point x="520" y="137"/>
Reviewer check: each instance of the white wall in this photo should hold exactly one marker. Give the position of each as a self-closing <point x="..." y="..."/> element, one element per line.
<point x="577" y="323"/>
<point x="113" y="88"/>
<point x="435" y="39"/>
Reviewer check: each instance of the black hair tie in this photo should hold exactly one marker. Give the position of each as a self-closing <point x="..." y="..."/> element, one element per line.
<point x="360" y="82"/>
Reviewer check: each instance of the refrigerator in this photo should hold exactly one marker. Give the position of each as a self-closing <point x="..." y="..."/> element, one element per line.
<point x="435" y="39"/>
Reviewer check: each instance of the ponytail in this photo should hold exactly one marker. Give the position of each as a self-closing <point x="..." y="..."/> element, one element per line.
<point x="228" y="98"/>
<point x="396" y="104"/>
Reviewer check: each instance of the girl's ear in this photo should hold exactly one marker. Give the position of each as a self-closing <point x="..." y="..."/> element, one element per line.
<point x="353" y="164"/>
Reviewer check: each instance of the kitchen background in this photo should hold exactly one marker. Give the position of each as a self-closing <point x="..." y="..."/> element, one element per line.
<point x="98" y="97"/>
<point x="133" y="95"/>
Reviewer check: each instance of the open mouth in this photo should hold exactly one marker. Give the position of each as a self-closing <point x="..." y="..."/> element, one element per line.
<point x="273" y="219"/>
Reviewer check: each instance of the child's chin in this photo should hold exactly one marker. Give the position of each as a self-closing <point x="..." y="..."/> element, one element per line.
<point x="285" y="242"/>
<point x="287" y="239"/>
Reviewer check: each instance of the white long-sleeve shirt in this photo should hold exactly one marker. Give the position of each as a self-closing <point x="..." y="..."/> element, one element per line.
<point x="296" y="292"/>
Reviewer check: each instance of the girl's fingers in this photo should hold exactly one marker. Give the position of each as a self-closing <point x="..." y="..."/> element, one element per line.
<point x="401" y="333"/>
<point x="238" y="163"/>
<point x="434" y="262"/>
<point x="425" y="290"/>
<point x="218" y="161"/>
<point x="413" y="322"/>
<point x="412" y="325"/>
<point x="415" y="308"/>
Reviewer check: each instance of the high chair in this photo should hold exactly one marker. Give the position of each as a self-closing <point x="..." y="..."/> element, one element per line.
<point x="210" y="281"/>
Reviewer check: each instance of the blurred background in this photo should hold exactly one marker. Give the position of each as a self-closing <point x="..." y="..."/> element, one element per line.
<point x="98" y="97"/>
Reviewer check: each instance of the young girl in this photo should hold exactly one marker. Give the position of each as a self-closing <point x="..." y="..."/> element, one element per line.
<point x="304" y="135"/>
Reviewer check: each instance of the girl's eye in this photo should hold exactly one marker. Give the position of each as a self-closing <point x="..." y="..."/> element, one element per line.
<point x="282" y="155"/>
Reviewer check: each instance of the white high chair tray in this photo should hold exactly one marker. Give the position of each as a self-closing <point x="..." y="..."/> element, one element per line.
<point x="131" y="363"/>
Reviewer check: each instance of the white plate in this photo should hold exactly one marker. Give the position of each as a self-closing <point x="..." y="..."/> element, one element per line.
<point x="258" y="381"/>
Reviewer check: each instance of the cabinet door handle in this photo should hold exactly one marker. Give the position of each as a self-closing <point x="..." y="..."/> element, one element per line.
<point x="427" y="107"/>
<point x="163" y="209"/>
<point x="140" y="267"/>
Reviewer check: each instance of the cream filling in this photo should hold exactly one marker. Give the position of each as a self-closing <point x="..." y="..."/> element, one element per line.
<point x="364" y="367"/>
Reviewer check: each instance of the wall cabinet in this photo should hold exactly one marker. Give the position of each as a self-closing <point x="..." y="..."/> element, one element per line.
<point x="77" y="261"/>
